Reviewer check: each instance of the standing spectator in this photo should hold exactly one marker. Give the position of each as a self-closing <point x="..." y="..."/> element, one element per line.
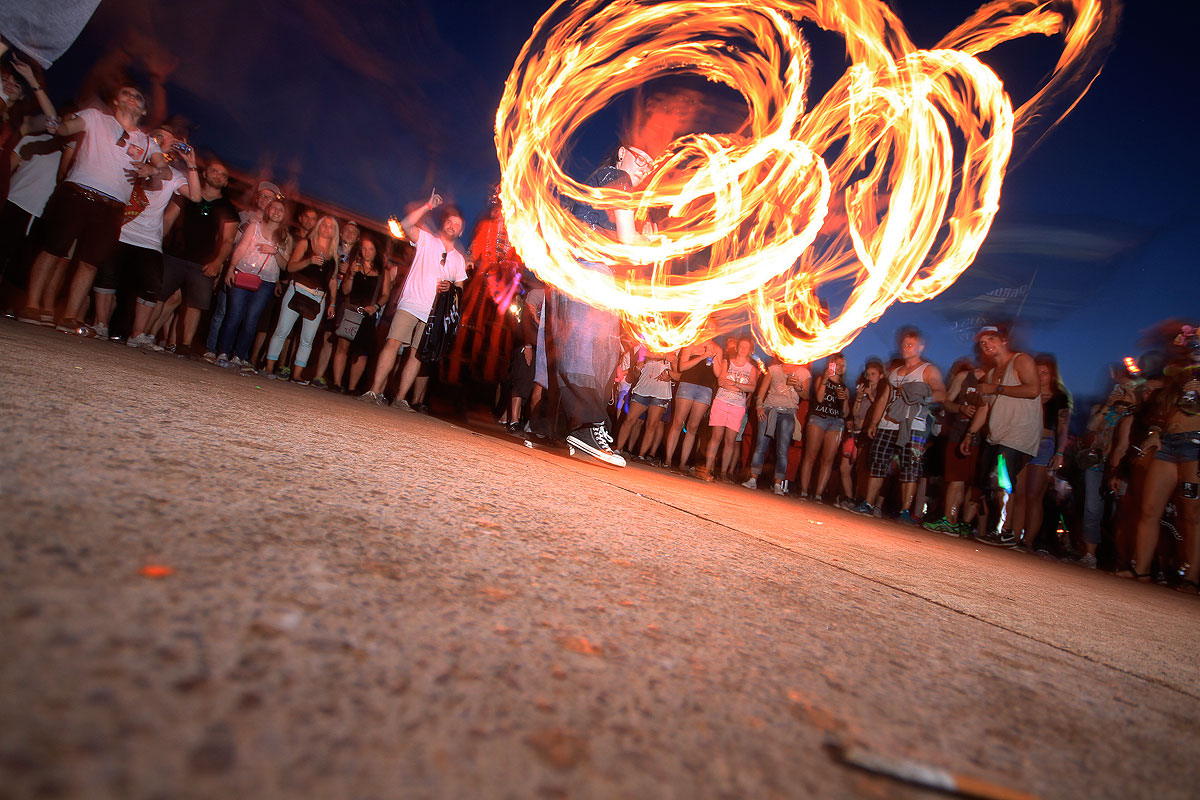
<point x="1014" y="424"/>
<point x="735" y="383"/>
<point x="436" y="266"/>
<point x="13" y="123"/>
<point x="897" y="424"/>
<point x="313" y="267"/>
<point x="250" y="281"/>
<point x="300" y="229"/>
<point x="36" y="162"/>
<point x="366" y="288"/>
<point x="195" y="251"/>
<point x="1056" y="415"/>
<point x="776" y="403"/>
<point x="693" y="396"/>
<point x="140" y="248"/>
<point x="265" y="193"/>
<point x="826" y="421"/>
<point x="650" y="395"/>
<point x="87" y="210"/>
<point x="866" y="389"/>
<point x="961" y="404"/>
<point x="348" y="235"/>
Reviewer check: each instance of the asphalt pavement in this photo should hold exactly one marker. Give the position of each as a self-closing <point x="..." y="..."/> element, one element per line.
<point x="215" y="585"/>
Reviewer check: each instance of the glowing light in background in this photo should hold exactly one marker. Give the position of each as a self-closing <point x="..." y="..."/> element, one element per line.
<point x="894" y="175"/>
<point x="394" y="228"/>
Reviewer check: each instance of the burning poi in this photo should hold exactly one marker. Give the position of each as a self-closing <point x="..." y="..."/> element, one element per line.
<point x="910" y="147"/>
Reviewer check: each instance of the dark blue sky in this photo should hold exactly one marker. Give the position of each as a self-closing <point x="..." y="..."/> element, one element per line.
<point x="370" y="104"/>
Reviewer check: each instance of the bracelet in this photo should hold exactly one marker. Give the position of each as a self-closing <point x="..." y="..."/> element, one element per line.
<point x="1000" y="389"/>
<point x="193" y="169"/>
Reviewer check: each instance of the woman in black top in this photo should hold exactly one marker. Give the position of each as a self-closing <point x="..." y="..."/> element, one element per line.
<point x="697" y="378"/>
<point x="366" y="288"/>
<point x="313" y="267"/>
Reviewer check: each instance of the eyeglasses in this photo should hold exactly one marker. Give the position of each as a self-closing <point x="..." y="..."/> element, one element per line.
<point x="640" y="157"/>
<point x="123" y="138"/>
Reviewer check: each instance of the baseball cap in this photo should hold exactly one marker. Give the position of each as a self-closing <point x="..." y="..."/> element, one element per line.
<point x="986" y="329"/>
<point x="270" y="187"/>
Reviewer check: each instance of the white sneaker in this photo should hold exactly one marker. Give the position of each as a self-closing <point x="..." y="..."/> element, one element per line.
<point x="778" y="489"/>
<point x="595" y="441"/>
<point x="752" y="483"/>
<point x="136" y="341"/>
<point x="210" y="357"/>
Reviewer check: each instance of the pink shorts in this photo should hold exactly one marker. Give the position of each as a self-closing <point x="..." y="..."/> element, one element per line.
<point x="726" y="415"/>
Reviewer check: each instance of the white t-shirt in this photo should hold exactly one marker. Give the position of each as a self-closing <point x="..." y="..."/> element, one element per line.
<point x="264" y="257"/>
<point x="420" y="287"/>
<point x="99" y="163"/>
<point x="35" y="178"/>
<point x="146" y="229"/>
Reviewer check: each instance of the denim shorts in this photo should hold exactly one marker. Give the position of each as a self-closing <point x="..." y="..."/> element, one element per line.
<point x="695" y="393"/>
<point x="1179" y="448"/>
<point x="1045" y="452"/>
<point x="827" y="423"/>
<point x="643" y="400"/>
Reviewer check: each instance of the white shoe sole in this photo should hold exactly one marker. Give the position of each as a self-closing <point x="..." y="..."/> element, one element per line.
<point x="611" y="459"/>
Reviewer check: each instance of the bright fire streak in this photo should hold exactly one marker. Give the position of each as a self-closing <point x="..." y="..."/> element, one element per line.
<point x="887" y="187"/>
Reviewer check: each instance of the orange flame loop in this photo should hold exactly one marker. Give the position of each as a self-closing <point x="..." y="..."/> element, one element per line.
<point x="871" y="174"/>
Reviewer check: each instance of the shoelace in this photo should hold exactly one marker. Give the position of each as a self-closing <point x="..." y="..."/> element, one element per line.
<point x="600" y="432"/>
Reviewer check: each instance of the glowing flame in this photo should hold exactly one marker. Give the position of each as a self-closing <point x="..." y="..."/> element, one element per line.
<point x="1131" y="366"/>
<point x="895" y="174"/>
<point x="394" y="228"/>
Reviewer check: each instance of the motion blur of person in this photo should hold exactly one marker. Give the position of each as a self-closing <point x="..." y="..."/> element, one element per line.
<point x="649" y="395"/>
<point x="776" y="403"/>
<point x="254" y="268"/>
<point x="737" y="379"/>
<point x="16" y="121"/>
<point x="693" y="396"/>
<point x="349" y="233"/>
<point x="365" y="288"/>
<point x="194" y="253"/>
<point x="826" y="422"/>
<point x="437" y="265"/>
<point x="584" y="342"/>
<point x="313" y="269"/>
<point x="1172" y="446"/>
<point x="264" y="194"/>
<point x="961" y="404"/>
<point x="87" y="210"/>
<point x="1056" y="416"/>
<point x="897" y="424"/>
<point x="1100" y="462"/>
<point x="1013" y="416"/>
<point x="866" y="389"/>
<point x="141" y="242"/>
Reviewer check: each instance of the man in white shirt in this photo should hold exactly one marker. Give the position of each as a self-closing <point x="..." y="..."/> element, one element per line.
<point x="87" y="210"/>
<point x="437" y="264"/>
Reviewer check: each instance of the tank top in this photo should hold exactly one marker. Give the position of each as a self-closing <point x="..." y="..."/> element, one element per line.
<point x="828" y="404"/>
<point x="362" y="293"/>
<point x="649" y="384"/>
<point x="1015" y="421"/>
<point x="315" y="276"/>
<point x="263" y="258"/>
<point x="700" y="374"/>
<point x="744" y="376"/>
<point x="895" y="381"/>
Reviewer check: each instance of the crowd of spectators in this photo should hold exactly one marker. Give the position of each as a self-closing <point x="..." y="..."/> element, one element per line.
<point x="117" y="231"/>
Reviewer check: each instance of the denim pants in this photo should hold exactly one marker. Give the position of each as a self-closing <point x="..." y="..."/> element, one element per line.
<point x="218" y="318"/>
<point x="1093" y="505"/>
<point x="308" y="331"/>
<point x="243" y="309"/>
<point x="785" y="425"/>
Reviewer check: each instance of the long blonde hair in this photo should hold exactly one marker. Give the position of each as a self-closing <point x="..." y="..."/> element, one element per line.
<point x="332" y="255"/>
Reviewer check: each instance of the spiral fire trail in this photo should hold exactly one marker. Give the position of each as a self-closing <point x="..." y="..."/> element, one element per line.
<point x="888" y="185"/>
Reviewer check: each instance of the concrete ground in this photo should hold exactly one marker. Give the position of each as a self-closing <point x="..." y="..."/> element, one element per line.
<point x="367" y="603"/>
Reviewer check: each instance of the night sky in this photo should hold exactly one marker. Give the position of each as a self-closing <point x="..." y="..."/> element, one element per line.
<point x="372" y="104"/>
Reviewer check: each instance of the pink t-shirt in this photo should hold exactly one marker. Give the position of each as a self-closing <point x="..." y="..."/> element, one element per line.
<point x="100" y="163"/>
<point x="420" y="287"/>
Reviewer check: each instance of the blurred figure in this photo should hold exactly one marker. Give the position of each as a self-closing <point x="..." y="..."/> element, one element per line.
<point x="650" y="395"/>
<point x="1056" y="415"/>
<point x="960" y="406"/>
<point x="866" y="389"/>
<point x="16" y="121"/>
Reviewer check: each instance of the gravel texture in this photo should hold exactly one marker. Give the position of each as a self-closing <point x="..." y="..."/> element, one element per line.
<point x="368" y="603"/>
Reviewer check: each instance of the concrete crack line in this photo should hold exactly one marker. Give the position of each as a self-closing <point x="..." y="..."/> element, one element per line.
<point x="918" y="596"/>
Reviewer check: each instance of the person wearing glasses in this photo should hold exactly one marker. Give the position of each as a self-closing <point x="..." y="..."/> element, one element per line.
<point x="437" y="264"/>
<point x="87" y="210"/>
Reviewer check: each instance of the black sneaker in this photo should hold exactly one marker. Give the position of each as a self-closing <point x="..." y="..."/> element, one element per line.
<point x="595" y="441"/>
<point x="999" y="539"/>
